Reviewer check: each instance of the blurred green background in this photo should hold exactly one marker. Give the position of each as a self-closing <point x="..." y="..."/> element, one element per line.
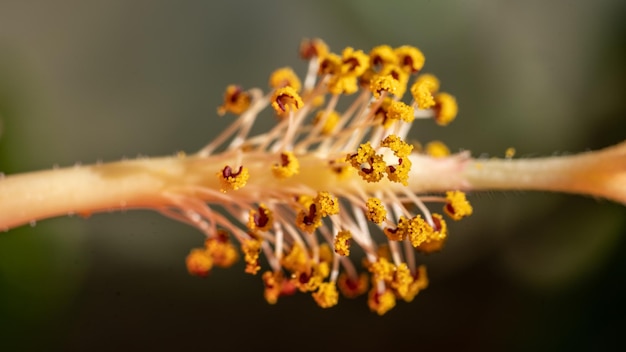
<point x="88" y="81"/>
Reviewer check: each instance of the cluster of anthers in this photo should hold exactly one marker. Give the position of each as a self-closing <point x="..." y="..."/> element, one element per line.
<point x="321" y="181"/>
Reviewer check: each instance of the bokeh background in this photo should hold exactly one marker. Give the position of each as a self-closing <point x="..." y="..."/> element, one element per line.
<point x="88" y="81"/>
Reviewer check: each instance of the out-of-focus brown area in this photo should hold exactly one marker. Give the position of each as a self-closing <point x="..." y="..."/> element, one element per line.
<point x="99" y="81"/>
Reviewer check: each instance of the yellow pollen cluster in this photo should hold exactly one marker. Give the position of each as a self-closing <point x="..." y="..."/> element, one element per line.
<point x="435" y="236"/>
<point x="446" y="108"/>
<point x="326" y="295"/>
<point x="410" y="58"/>
<point x="342" y="243"/>
<point x="233" y="180"/>
<point x="274" y="283"/>
<point x="310" y="218"/>
<point x="218" y="251"/>
<point x="437" y="149"/>
<point x="376" y="211"/>
<point x="423" y="89"/>
<point x="287" y="167"/>
<point x="313" y="48"/>
<point x="398" y="110"/>
<point x="284" y="77"/>
<point x="304" y="207"/>
<point x="260" y="219"/>
<point x="457" y="207"/>
<point x="236" y="101"/>
<point x="383" y="55"/>
<point x="199" y="262"/>
<point x="381" y="303"/>
<point x="353" y="287"/>
<point x="286" y="100"/>
<point x="251" y="249"/>
<point x="371" y="166"/>
<point x="384" y="83"/>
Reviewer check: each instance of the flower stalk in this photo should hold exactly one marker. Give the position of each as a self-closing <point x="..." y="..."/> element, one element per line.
<point x="316" y="183"/>
<point x="147" y="182"/>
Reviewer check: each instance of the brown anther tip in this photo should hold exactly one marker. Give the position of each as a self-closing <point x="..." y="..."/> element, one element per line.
<point x="437" y="224"/>
<point x="310" y="219"/>
<point x="228" y="172"/>
<point x="308" y="50"/>
<point x="279" y="101"/>
<point x="235" y="95"/>
<point x="408" y="61"/>
<point x="449" y="208"/>
<point x="352" y="62"/>
<point x="261" y="218"/>
<point x="304" y="278"/>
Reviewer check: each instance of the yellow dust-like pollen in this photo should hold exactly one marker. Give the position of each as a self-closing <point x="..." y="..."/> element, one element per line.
<point x="314" y="186"/>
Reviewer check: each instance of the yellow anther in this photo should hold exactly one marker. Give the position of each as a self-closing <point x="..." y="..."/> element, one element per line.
<point x="376" y="211"/>
<point x="382" y="270"/>
<point x="199" y="262"/>
<point x="353" y="287"/>
<point x="287" y="167"/>
<point x="221" y="250"/>
<point x="309" y="280"/>
<point x="398" y="233"/>
<point x="284" y="77"/>
<point x="233" y="180"/>
<point x="437" y="149"/>
<point x="420" y="282"/>
<point x="309" y="219"/>
<point x="399" y="75"/>
<point x="436" y="237"/>
<point x="384" y="83"/>
<point x="410" y="58"/>
<point x="260" y="219"/>
<point x="457" y="206"/>
<point x="382" y="112"/>
<point x="325" y="253"/>
<point x="445" y="108"/>
<point x="310" y="48"/>
<point x="354" y="62"/>
<point x="273" y="282"/>
<point x="398" y="110"/>
<point x="251" y="249"/>
<point x="329" y="119"/>
<point x="343" y="84"/>
<point x="296" y="260"/>
<point x="305" y="200"/>
<point x="418" y="231"/>
<point x="400" y="172"/>
<point x="423" y="89"/>
<point x="327" y="204"/>
<point x="509" y="153"/>
<point x="330" y="64"/>
<point x="381" y="303"/>
<point x="286" y="100"/>
<point x="399" y="147"/>
<point x="383" y="55"/>
<point x="429" y="81"/>
<point x="366" y="155"/>
<point x="342" y="243"/>
<point x="326" y="295"/>
<point x="402" y="280"/>
<point x="236" y="101"/>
